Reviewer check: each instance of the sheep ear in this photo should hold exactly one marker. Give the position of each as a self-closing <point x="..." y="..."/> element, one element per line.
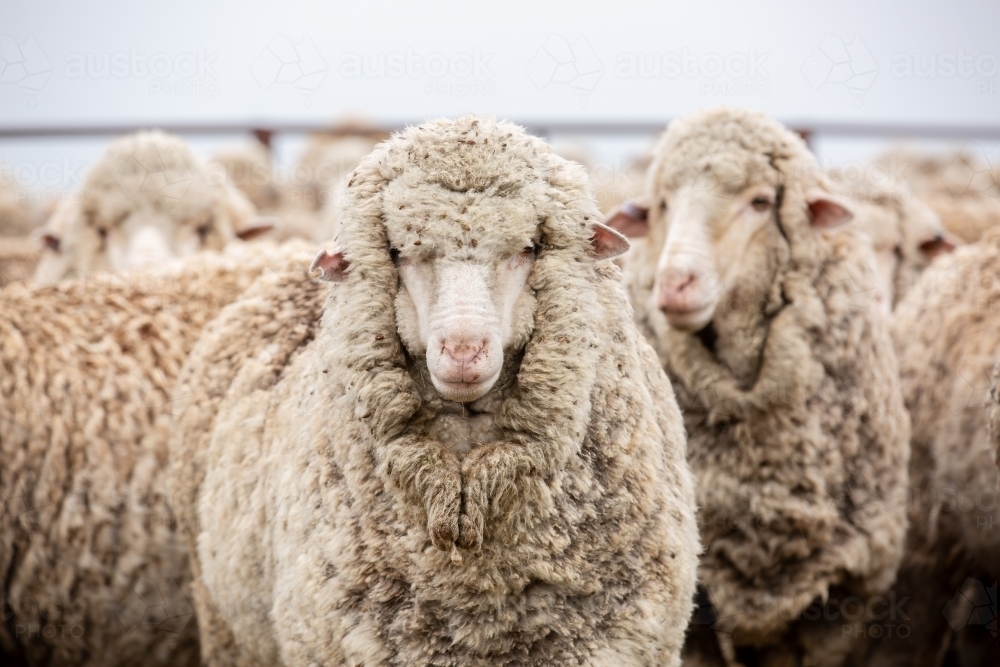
<point x="51" y="241"/>
<point x="47" y="238"/>
<point x="939" y="245"/>
<point x="631" y="219"/>
<point x="257" y="226"/>
<point x="331" y="266"/>
<point x="608" y="243"/>
<point x="826" y="211"/>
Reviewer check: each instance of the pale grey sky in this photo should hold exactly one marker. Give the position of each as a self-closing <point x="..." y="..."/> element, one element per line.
<point x="846" y="61"/>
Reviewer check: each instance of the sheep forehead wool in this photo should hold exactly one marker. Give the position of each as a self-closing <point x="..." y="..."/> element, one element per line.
<point x="737" y="147"/>
<point x="583" y="504"/>
<point x="148" y="170"/>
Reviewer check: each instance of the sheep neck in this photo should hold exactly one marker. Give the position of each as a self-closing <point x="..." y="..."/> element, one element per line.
<point x="462" y="426"/>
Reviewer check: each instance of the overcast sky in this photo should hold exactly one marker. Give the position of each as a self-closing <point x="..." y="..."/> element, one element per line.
<point x="148" y="62"/>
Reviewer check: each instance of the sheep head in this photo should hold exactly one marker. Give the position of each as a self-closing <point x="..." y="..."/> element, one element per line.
<point x="146" y="201"/>
<point x="464" y="226"/>
<point x="719" y="207"/>
<point x="464" y="298"/>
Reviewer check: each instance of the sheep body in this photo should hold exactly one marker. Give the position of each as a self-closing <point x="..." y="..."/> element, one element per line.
<point x="797" y="432"/>
<point x="947" y="341"/>
<point x="94" y="571"/>
<point x="304" y="397"/>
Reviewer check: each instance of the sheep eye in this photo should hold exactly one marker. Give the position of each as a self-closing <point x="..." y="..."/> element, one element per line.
<point x="394" y="255"/>
<point x="531" y="249"/>
<point x="102" y="232"/>
<point x="761" y="203"/>
<point x="203" y="230"/>
<point x="663" y="205"/>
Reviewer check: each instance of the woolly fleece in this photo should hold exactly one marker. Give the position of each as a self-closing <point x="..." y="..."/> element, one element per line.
<point x="308" y="439"/>
<point x="87" y="541"/>
<point x="797" y="431"/>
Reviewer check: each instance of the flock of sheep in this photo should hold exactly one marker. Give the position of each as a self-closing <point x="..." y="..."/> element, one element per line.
<point x="743" y="419"/>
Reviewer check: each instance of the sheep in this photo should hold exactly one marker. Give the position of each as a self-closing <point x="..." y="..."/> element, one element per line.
<point x="248" y="167"/>
<point x="439" y="474"/>
<point x="906" y="233"/>
<point x="18" y="219"/>
<point x="947" y="340"/>
<point x="146" y="200"/>
<point x="994" y="412"/>
<point x="87" y="541"/>
<point x="748" y="288"/>
<point x="959" y="187"/>
<point x="327" y="157"/>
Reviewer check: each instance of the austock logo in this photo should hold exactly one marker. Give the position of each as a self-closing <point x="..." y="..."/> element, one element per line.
<point x="974" y="604"/>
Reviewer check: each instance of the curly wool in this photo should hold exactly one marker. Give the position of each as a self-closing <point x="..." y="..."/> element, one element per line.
<point x="896" y="221"/>
<point x="947" y="341"/>
<point x="149" y="174"/>
<point x="308" y="438"/>
<point x="87" y="541"/>
<point x="800" y="459"/>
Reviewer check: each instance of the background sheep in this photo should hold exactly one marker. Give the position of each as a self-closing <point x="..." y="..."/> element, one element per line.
<point x="960" y="189"/>
<point x="148" y="199"/>
<point x="948" y="339"/>
<point x="442" y="477"/>
<point x="787" y="380"/>
<point x="906" y="233"/>
<point x="248" y="167"/>
<point x="18" y="252"/>
<point x="93" y="571"/>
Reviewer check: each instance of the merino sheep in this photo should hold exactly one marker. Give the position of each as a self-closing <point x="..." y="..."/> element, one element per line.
<point x="947" y="333"/>
<point x="18" y="252"/>
<point x="960" y="188"/>
<point x="906" y="233"/>
<point x="787" y="380"/>
<point x="248" y="167"/>
<point x="461" y="452"/>
<point x="147" y="199"/>
<point x="94" y="572"/>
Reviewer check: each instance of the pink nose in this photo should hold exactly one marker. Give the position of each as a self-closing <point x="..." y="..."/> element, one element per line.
<point x="463" y="351"/>
<point x="677" y="291"/>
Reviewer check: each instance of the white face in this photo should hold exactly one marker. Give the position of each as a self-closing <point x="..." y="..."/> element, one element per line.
<point x="710" y="244"/>
<point x="463" y="314"/>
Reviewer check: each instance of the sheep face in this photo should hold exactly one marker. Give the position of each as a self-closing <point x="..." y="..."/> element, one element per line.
<point x="464" y="300"/>
<point x="463" y="314"/>
<point x="712" y="241"/>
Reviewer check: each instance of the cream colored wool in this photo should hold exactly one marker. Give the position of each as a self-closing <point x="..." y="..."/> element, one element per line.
<point x="962" y="190"/>
<point x="248" y="167"/>
<point x="948" y="339"/>
<point x="94" y="572"/>
<point x="150" y="174"/>
<point x="314" y="495"/>
<point x="796" y="428"/>
<point x="896" y="221"/>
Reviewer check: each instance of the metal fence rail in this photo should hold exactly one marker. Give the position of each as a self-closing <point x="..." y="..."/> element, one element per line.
<point x="264" y="130"/>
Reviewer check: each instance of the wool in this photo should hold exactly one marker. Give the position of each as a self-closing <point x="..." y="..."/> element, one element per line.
<point x="568" y="537"/>
<point x="900" y="225"/>
<point x="150" y="174"/>
<point x="947" y="342"/>
<point x="94" y="572"/>
<point x="797" y="435"/>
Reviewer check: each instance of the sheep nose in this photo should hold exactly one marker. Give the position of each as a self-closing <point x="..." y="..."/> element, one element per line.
<point x="463" y="351"/>
<point x="675" y="289"/>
